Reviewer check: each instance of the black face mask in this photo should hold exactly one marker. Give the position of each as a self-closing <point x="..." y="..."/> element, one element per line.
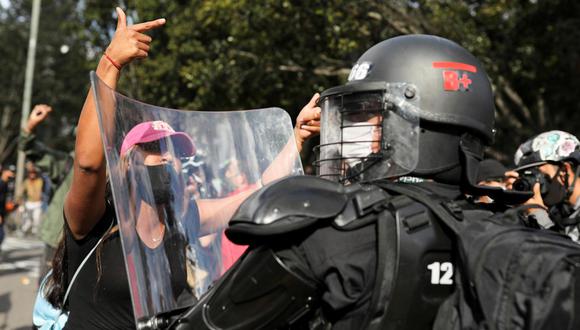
<point x="556" y="192"/>
<point x="559" y="208"/>
<point x="162" y="178"/>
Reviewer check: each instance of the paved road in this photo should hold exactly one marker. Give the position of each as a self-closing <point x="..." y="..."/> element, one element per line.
<point x="19" y="268"/>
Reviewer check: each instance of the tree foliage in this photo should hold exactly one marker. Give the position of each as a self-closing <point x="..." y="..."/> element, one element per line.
<point x="225" y="54"/>
<point x="60" y="75"/>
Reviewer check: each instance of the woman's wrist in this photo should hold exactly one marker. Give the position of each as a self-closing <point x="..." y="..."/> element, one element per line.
<point x="107" y="72"/>
<point x="106" y="67"/>
<point x="112" y="61"/>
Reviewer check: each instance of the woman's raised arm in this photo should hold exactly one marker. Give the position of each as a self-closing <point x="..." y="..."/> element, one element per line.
<point x="85" y="202"/>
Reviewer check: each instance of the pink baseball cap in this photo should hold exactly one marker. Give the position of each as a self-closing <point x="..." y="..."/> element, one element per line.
<point x="150" y="131"/>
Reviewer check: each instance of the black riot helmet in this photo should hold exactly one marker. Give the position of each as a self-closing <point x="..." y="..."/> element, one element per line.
<point x="415" y="105"/>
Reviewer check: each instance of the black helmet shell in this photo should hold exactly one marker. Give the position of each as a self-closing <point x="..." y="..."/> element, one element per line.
<point x="453" y="85"/>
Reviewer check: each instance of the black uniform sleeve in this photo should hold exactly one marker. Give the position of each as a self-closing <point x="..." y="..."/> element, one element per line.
<point x="344" y="263"/>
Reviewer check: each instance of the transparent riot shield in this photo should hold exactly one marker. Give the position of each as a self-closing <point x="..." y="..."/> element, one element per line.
<point x="177" y="177"/>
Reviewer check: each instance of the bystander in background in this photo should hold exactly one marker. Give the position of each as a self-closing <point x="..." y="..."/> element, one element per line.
<point x="492" y="173"/>
<point x="549" y="163"/>
<point x="5" y="176"/>
<point x="32" y="197"/>
<point x="56" y="165"/>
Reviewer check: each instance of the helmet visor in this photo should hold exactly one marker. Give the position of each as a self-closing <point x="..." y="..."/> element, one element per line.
<point x="368" y="135"/>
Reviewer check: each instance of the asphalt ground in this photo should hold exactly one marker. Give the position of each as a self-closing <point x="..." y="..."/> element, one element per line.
<point x="19" y="271"/>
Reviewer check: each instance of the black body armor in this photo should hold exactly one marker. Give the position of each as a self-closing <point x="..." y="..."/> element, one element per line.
<point x="414" y="266"/>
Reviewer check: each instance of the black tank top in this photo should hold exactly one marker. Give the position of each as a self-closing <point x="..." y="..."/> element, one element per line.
<point x="102" y="304"/>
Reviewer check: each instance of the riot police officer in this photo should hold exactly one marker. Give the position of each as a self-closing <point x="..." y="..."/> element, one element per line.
<point x="344" y="250"/>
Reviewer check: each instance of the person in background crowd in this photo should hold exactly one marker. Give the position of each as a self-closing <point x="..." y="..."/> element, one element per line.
<point x="5" y="176"/>
<point x="235" y="178"/>
<point x="492" y="173"/>
<point x="33" y="188"/>
<point x="548" y="162"/>
<point x="236" y="181"/>
<point x="57" y="166"/>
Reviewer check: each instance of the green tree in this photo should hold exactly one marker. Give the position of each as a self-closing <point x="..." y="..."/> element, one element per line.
<point x="13" y="37"/>
<point x="219" y="55"/>
<point x="60" y="75"/>
<point x="224" y="54"/>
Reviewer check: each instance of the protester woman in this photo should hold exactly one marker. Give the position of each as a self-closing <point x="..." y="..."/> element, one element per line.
<point x="100" y="297"/>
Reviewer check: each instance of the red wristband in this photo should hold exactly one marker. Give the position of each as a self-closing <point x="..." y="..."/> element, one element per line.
<point x="115" y="64"/>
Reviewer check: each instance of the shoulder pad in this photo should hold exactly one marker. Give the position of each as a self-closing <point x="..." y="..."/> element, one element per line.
<point x="284" y="206"/>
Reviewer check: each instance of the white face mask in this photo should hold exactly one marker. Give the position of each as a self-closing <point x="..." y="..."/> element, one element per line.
<point x="357" y="142"/>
